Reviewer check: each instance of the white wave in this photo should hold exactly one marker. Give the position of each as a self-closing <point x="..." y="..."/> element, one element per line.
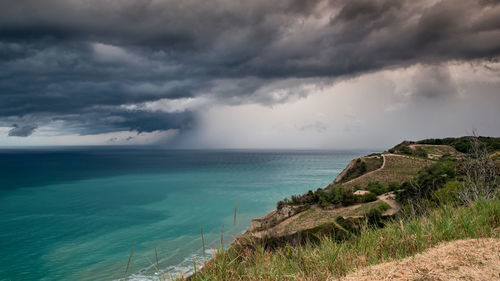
<point x="185" y="268"/>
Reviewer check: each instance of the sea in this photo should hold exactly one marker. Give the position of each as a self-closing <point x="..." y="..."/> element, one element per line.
<point x="128" y="213"/>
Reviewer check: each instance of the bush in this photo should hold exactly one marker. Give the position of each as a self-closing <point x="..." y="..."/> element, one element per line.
<point x="428" y="180"/>
<point x="369" y="197"/>
<point x="420" y="152"/>
<point x="323" y="198"/>
<point x="362" y="167"/>
<point x="393" y="186"/>
<point x="348" y="197"/>
<point x="374" y="216"/>
<point x="376" y="187"/>
<point x="449" y="193"/>
<point x="335" y="196"/>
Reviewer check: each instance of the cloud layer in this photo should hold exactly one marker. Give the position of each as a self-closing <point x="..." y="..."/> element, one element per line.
<point x="100" y="66"/>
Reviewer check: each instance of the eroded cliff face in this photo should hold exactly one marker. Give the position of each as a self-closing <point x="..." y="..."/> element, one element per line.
<point x="340" y="176"/>
<point x="273" y="218"/>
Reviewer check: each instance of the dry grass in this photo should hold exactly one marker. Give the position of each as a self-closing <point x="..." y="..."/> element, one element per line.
<point x="398" y="168"/>
<point x="473" y="259"/>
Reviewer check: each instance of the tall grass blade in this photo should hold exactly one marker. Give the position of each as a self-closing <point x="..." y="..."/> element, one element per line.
<point x="202" y="240"/>
<point x="222" y="237"/>
<point x="130" y="258"/>
<point x="156" y="254"/>
<point x="235" y="208"/>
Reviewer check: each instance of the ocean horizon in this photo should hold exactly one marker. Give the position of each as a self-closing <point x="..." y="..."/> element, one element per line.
<point x="75" y="213"/>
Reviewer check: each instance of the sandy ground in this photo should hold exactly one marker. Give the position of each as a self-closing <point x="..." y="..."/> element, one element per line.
<point x="474" y="259"/>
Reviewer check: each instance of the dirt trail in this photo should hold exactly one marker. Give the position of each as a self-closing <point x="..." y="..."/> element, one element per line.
<point x="364" y="175"/>
<point x="390" y="199"/>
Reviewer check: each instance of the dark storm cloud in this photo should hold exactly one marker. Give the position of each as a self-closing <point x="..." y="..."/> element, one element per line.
<point x="21" y="131"/>
<point x="79" y="61"/>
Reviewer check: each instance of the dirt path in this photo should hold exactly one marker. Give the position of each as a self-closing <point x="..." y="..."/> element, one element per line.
<point x="390" y="199"/>
<point x="473" y="259"/>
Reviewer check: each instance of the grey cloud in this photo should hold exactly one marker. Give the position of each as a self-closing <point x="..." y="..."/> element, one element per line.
<point x="78" y="61"/>
<point x="318" y="126"/>
<point x="432" y="82"/>
<point x="22" y="130"/>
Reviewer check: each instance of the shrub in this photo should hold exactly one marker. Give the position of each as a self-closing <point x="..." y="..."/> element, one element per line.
<point x="369" y="197"/>
<point x="348" y="197"/>
<point x="428" y="180"/>
<point x="323" y="198"/>
<point x="420" y="152"/>
<point x="362" y="168"/>
<point x="335" y="196"/>
<point x="449" y="193"/>
<point x="393" y="186"/>
<point x="376" y="187"/>
<point x="374" y="216"/>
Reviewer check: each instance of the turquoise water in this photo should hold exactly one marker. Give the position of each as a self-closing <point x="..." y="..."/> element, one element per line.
<point x="75" y="214"/>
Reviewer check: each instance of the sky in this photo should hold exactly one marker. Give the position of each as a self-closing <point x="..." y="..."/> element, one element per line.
<point x="326" y="74"/>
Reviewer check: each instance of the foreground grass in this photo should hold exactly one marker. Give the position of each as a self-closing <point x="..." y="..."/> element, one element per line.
<point x="330" y="259"/>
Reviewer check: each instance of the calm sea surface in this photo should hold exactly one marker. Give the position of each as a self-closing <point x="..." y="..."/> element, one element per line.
<point x="74" y="214"/>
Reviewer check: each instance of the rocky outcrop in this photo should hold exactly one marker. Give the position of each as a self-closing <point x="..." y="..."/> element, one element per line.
<point x="273" y="218"/>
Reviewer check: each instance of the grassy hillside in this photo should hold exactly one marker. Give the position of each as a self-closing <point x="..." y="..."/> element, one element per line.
<point x="397" y="168"/>
<point x="315" y="215"/>
<point x="330" y="259"/>
<point x="359" y="167"/>
<point x="442" y="195"/>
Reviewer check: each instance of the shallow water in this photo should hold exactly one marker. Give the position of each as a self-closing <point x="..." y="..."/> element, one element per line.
<point x="75" y="214"/>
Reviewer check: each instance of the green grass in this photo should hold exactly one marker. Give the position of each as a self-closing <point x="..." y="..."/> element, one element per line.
<point x="330" y="259"/>
<point x="367" y="207"/>
<point x="437" y="149"/>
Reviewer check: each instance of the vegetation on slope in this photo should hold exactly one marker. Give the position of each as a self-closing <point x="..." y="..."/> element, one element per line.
<point x="329" y="258"/>
<point x="443" y="200"/>
<point x="361" y="166"/>
<point x="463" y="144"/>
<point x="397" y="169"/>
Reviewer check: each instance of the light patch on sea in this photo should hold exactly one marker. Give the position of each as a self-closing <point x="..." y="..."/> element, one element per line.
<point x="184" y="269"/>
